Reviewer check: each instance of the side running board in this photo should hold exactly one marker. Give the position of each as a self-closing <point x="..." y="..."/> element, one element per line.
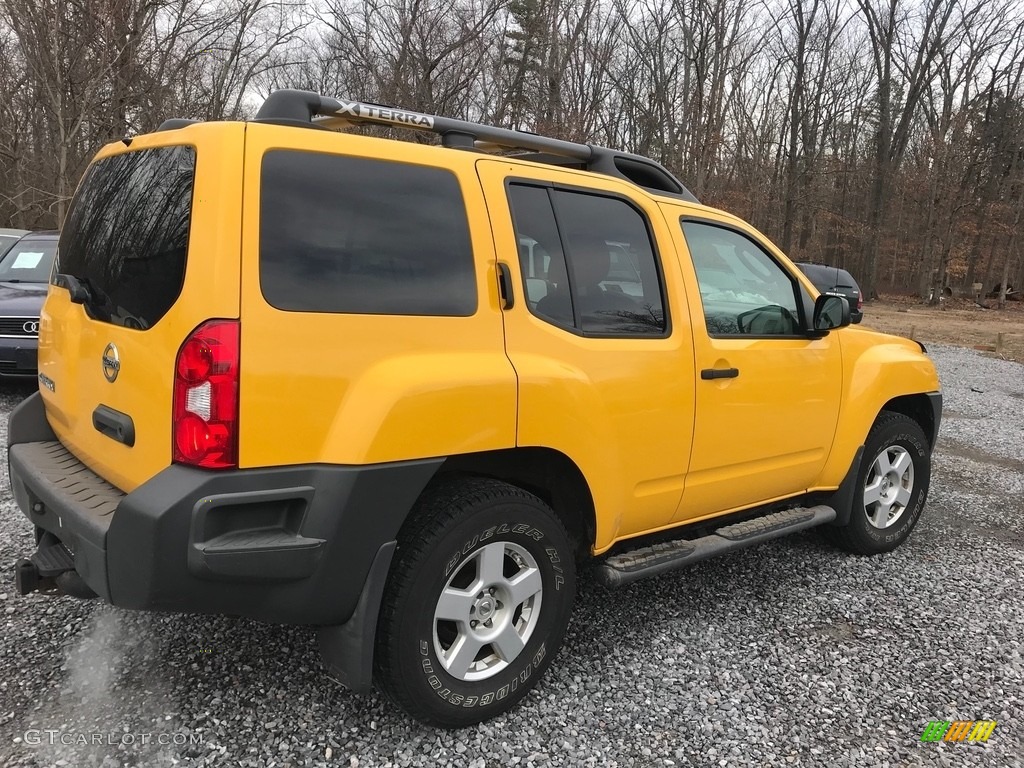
<point x="628" y="567"/>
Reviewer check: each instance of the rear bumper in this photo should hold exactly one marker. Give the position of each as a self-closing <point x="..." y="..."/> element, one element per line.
<point x="289" y="544"/>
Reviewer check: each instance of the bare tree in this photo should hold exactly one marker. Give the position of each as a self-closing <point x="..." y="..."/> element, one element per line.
<point x="904" y="46"/>
<point x="885" y="136"/>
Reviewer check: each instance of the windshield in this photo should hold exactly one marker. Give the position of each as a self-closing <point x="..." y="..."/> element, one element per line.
<point x="6" y="241"/>
<point x="29" y="261"/>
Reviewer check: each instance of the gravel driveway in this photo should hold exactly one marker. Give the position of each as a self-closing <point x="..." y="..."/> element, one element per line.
<point x="787" y="654"/>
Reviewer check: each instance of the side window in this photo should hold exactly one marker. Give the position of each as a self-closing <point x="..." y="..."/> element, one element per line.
<point x="587" y="261"/>
<point x="540" y="249"/>
<point x="355" y="235"/>
<point x="743" y="290"/>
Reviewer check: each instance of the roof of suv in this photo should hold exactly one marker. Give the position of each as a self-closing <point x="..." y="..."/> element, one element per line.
<point x="311" y="110"/>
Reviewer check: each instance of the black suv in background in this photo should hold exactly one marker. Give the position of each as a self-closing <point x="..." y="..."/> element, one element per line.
<point x="24" y="278"/>
<point x="836" y="280"/>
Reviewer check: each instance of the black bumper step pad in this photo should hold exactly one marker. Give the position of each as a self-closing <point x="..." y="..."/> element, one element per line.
<point x="53" y="560"/>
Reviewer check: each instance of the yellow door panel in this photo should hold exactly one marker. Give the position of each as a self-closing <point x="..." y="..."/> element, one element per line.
<point x="363" y="387"/>
<point x="620" y="408"/>
<point x="767" y="400"/>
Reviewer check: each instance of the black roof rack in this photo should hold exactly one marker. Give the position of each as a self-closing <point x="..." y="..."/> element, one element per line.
<point x="174" y="123"/>
<point x="304" y="108"/>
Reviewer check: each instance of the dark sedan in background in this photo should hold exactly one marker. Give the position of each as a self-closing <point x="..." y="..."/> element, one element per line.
<point x="24" y="277"/>
<point x="836" y="280"/>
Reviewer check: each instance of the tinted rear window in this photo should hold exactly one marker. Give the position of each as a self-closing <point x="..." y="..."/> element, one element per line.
<point x="352" y="235"/>
<point x="29" y="261"/>
<point x="826" y="278"/>
<point x="126" y="235"/>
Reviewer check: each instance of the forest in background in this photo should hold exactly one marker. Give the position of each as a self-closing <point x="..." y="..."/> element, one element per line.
<point x="884" y="136"/>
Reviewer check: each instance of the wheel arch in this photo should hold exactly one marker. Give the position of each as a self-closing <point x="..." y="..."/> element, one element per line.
<point x="924" y="408"/>
<point x="548" y="474"/>
<point x="854" y="531"/>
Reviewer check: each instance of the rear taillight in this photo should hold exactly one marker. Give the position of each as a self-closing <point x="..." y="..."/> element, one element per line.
<point x="860" y="300"/>
<point x="205" y="427"/>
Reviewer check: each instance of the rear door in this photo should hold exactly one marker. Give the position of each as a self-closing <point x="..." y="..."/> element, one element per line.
<point x="600" y="340"/>
<point x="152" y="237"/>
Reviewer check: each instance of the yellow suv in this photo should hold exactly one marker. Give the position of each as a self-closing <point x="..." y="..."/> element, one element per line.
<point x="398" y="391"/>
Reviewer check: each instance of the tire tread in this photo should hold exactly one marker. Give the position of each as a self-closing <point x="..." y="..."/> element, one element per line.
<point x="443" y="505"/>
<point x="845" y="537"/>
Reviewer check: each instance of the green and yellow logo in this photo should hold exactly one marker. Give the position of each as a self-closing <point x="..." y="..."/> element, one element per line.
<point x="958" y="730"/>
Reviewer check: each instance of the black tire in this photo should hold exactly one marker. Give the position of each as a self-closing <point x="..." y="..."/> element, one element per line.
<point x="461" y="528"/>
<point x="892" y="437"/>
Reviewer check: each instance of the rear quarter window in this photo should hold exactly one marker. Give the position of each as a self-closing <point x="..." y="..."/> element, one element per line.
<point x="354" y="235"/>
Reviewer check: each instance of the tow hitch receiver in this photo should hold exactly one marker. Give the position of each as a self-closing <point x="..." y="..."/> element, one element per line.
<point x="51" y="570"/>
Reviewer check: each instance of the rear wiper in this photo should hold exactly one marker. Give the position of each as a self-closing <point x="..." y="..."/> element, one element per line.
<point x="85" y="292"/>
<point x="79" y="290"/>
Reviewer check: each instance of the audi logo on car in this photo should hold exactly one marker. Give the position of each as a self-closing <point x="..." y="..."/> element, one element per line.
<point x="31" y="326"/>
<point x="111" y="363"/>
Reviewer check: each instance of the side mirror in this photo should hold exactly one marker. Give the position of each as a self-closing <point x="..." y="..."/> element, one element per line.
<point x="830" y="312"/>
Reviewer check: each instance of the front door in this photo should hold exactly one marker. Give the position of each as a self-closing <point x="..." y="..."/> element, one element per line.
<point x="767" y="399"/>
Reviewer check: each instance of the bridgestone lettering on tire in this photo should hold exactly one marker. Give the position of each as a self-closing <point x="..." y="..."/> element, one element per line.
<point x="477" y="602"/>
<point x="891" y="487"/>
